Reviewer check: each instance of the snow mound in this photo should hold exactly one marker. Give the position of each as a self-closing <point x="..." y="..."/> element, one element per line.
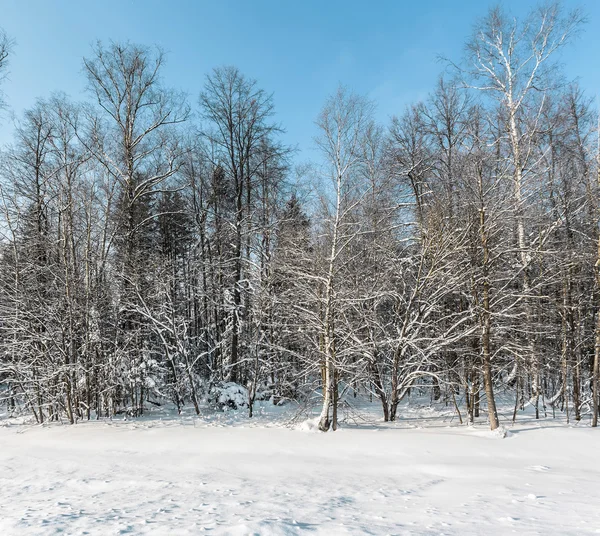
<point x="498" y="433"/>
<point x="309" y="425"/>
<point x="228" y="395"/>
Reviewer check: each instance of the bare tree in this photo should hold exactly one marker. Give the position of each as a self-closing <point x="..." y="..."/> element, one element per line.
<point x="134" y="141"/>
<point x="513" y="62"/>
<point x="342" y="123"/>
<point x="6" y="47"/>
<point x="238" y="123"/>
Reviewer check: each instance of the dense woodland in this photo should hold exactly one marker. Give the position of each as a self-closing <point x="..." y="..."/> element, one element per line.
<point x="155" y="248"/>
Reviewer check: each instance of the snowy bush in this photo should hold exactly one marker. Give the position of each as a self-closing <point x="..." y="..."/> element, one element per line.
<point x="228" y="395"/>
<point x="264" y="392"/>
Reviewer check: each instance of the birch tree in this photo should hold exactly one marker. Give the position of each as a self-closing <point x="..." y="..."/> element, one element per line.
<point x="513" y="62"/>
<point x="342" y="124"/>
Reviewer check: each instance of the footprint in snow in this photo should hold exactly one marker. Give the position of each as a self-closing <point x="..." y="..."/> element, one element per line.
<point x="540" y="468"/>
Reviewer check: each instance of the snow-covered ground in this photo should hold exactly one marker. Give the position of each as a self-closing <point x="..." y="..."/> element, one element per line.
<point x="422" y="475"/>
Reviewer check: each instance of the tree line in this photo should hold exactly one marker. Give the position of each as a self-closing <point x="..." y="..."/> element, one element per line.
<point x="151" y="255"/>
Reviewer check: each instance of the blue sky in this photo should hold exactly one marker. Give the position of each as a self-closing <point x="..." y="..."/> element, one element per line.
<point x="300" y="51"/>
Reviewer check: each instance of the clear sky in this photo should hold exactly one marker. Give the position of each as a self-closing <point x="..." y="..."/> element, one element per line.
<point x="298" y="50"/>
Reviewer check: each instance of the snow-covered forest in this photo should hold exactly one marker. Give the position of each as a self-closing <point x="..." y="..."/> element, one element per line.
<point x="201" y="301"/>
<point x="163" y="250"/>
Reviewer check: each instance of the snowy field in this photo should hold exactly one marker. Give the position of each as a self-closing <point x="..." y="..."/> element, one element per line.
<point x="422" y="475"/>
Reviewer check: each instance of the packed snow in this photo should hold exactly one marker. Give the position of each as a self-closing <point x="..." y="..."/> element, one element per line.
<point x="226" y="474"/>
